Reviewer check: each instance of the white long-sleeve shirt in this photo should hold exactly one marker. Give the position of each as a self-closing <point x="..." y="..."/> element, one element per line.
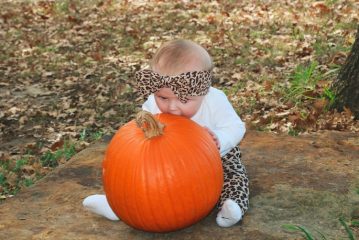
<point x="215" y="113"/>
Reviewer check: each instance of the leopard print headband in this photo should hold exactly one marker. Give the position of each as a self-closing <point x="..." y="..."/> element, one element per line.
<point x="195" y="83"/>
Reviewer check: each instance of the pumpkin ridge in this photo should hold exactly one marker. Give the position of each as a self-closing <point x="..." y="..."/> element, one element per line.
<point x="193" y="188"/>
<point x="155" y="221"/>
<point x="168" y="191"/>
<point x="195" y="185"/>
<point x="179" y="167"/>
<point x="124" y="171"/>
<point x="205" y="147"/>
<point x="110" y="171"/>
<point x="139" y="181"/>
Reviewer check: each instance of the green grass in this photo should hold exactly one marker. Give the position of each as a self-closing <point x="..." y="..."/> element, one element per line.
<point x="240" y="61"/>
<point x="330" y="96"/>
<point x="346" y="25"/>
<point x="257" y="33"/>
<point x="19" y="164"/>
<point x="52" y="159"/>
<point x="62" y="7"/>
<point x="89" y="135"/>
<point x="347" y="229"/>
<point x="235" y="88"/>
<point x="310" y="236"/>
<point x="2" y="180"/>
<point x="49" y="160"/>
<point x="320" y="47"/>
<point x="27" y="182"/>
<point x="333" y="71"/>
<point x="302" y="82"/>
<point x="16" y="170"/>
<point x="327" y="48"/>
<point x="297" y="34"/>
<point x="293" y="132"/>
<point x="330" y="2"/>
<point x="293" y="228"/>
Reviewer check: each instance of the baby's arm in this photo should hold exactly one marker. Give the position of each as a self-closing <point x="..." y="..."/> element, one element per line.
<point x="230" y="135"/>
<point x="228" y="127"/>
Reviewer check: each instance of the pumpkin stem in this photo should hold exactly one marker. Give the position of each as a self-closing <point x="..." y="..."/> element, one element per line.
<point x="150" y="126"/>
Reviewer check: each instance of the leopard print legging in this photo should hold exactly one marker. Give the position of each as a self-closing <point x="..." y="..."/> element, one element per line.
<point x="236" y="182"/>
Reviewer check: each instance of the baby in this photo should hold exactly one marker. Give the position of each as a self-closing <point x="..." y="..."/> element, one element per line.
<point x="179" y="83"/>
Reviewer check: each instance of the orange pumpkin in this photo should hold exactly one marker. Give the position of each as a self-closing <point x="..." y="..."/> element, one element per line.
<point x="162" y="173"/>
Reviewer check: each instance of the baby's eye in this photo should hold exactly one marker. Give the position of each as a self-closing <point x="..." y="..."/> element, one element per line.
<point x="162" y="98"/>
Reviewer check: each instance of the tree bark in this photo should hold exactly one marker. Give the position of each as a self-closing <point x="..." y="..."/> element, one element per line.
<point x="346" y="86"/>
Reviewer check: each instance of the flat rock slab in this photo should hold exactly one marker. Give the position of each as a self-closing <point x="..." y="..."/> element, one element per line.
<point x="308" y="180"/>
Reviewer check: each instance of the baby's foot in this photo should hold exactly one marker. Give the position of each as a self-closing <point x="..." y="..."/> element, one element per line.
<point x="98" y="204"/>
<point x="230" y="214"/>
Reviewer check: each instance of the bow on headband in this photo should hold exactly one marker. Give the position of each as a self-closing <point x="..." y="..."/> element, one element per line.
<point x="195" y="83"/>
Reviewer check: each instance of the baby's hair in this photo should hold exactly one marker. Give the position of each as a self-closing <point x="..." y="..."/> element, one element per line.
<point x="175" y="54"/>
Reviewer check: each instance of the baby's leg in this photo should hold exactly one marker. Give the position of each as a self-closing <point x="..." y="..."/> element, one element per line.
<point x="98" y="204"/>
<point x="234" y="197"/>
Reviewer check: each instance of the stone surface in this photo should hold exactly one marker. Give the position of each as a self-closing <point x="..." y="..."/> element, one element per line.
<point x="308" y="180"/>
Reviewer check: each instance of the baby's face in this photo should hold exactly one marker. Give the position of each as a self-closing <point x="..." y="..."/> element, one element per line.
<point x="168" y="102"/>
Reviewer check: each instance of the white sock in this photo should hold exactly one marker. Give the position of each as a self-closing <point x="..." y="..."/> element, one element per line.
<point x="230" y="214"/>
<point x="98" y="204"/>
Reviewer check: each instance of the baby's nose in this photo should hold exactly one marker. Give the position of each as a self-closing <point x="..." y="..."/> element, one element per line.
<point x="172" y="105"/>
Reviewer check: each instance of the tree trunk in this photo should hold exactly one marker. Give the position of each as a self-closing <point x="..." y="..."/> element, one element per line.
<point x="346" y="86"/>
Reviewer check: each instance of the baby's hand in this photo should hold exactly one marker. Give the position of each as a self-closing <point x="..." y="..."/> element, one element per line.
<point x="214" y="136"/>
